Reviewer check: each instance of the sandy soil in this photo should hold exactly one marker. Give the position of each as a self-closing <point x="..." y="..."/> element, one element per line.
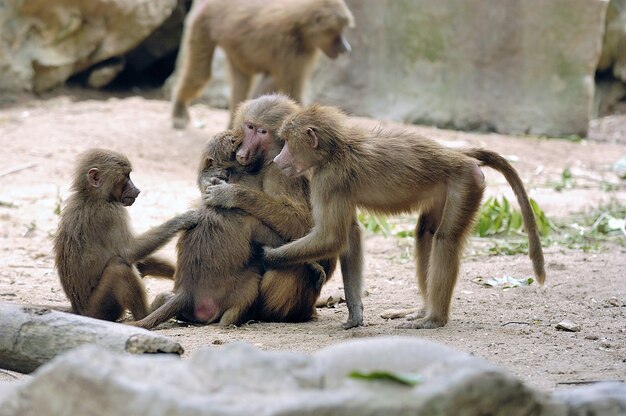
<point x="514" y="328"/>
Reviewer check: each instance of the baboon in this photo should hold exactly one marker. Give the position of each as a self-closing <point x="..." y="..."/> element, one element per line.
<point x="276" y="38"/>
<point x="98" y="258"/>
<point x="286" y="294"/>
<point x="215" y="280"/>
<point x="389" y="172"/>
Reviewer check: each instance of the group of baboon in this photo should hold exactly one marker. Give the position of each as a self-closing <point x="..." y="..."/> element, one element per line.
<point x="280" y="190"/>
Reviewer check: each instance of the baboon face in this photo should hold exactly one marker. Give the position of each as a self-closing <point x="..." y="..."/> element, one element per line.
<point x="107" y="177"/>
<point x="299" y="153"/>
<point x="218" y="159"/>
<point x="260" y="120"/>
<point x="326" y="29"/>
<point x="125" y="191"/>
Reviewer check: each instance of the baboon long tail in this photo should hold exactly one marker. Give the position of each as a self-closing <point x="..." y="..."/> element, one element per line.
<point x="497" y="162"/>
<point x="174" y="306"/>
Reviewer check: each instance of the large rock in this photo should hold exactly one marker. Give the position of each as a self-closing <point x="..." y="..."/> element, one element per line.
<point x="44" y="42"/>
<point x="519" y="66"/>
<point x="239" y="379"/>
<point x="614" y="45"/>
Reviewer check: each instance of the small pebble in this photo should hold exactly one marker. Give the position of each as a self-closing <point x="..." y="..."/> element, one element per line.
<point x="568" y="326"/>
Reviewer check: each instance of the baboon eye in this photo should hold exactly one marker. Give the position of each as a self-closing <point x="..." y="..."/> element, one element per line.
<point x="249" y="126"/>
<point x="262" y="131"/>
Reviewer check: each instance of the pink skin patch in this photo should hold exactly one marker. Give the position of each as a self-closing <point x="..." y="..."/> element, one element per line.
<point x="206" y="309"/>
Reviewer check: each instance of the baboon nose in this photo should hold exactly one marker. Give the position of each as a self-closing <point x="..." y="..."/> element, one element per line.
<point x="243" y="158"/>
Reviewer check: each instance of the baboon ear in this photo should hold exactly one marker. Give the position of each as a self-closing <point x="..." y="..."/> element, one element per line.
<point x="94" y="177"/>
<point x="312" y="138"/>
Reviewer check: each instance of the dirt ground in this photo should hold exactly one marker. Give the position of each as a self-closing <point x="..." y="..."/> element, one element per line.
<point x="515" y="328"/>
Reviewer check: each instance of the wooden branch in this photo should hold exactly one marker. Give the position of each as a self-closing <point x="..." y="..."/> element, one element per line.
<point x="32" y="335"/>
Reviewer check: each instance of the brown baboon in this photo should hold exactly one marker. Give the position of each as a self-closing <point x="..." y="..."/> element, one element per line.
<point x="286" y="294"/>
<point x="276" y="38"/>
<point x="215" y="280"/>
<point x="98" y="258"/>
<point x="389" y="172"/>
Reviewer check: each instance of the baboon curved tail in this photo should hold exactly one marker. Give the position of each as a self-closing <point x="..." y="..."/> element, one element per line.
<point x="497" y="162"/>
<point x="174" y="306"/>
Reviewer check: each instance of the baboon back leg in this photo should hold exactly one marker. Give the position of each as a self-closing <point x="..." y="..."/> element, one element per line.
<point x="247" y="293"/>
<point x="351" y="262"/>
<point x="193" y="67"/>
<point x="156" y="266"/>
<point x="239" y="90"/>
<point x="424" y="231"/>
<point x="120" y="288"/>
<point x="289" y="295"/>
<point x="462" y="202"/>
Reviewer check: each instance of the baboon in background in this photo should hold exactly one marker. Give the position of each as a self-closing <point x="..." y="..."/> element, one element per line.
<point x="276" y="38"/>
<point x="215" y="280"/>
<point x="286" y="294"/>
<point x="389" y="172"/>
<point x="98" y="258"/>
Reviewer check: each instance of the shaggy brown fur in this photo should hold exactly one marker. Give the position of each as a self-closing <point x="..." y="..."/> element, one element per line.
<point x="389" y="172"/>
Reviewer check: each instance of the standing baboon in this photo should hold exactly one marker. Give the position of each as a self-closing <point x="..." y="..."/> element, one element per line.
<point x="286" y="294"/>
<point x="98" y="258"/>
<point x="215" y="280"/>
<point x="276" y="38"/>
<point x="389" y="172"/>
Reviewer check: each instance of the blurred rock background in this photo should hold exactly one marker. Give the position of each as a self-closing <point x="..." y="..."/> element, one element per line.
<point x="540" y="67"/>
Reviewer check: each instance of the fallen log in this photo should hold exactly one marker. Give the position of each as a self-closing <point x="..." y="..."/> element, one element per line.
<point x="31" y="335"/>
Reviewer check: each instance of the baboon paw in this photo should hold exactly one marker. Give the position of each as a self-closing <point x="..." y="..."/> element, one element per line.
<point x="179" y="123"/>
<point x="352" y="323"/>
<point x="419" y="314"/>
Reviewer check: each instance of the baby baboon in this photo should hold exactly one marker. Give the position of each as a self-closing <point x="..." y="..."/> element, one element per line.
<point x="98" y="258"/>
<point x="276" y="38"/>
<point x="389" y="172"/>
<point x="215" y="280"/>
<point x="286" y="294"/>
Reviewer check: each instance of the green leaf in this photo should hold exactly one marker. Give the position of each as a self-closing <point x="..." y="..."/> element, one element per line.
<point x="407" y="379"/>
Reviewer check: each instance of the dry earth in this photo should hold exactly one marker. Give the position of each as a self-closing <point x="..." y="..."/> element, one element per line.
<point x="515" y="328"/>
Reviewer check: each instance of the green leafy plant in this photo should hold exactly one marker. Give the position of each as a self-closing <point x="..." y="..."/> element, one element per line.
<point x="566" y="182"/>
<point x="588" y="230"/>
<point x="498" y="217"/>
<point x="375" y="223"/>
<point x="407" y="379"/>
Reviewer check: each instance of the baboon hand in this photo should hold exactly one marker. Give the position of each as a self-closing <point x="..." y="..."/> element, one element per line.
<point x="220" y="195"/>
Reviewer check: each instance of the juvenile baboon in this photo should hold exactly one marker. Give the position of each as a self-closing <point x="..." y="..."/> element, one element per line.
<point x="276" y="38"/>
<point x="389" y="172"/>
<point x="215" y="280"/>
<point x="286" y="294"/>
<point x="98" y="258"/>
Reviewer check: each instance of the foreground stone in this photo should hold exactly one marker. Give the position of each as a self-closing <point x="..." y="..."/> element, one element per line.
<point x="239" y="379"/>
<point x="32" y="336"/>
